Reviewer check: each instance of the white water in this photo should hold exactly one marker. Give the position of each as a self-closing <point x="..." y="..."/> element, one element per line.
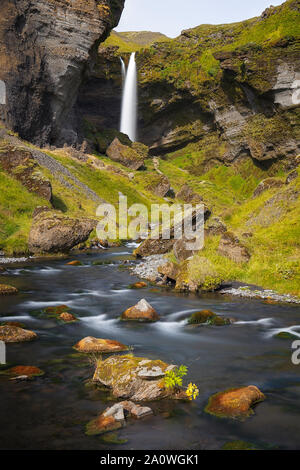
<point x="123" y="72"/>
<point x="129" y="101"/>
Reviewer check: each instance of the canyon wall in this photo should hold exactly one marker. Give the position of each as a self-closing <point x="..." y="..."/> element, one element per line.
<point x="46" y="48"/>
<point x="231" y="89"/>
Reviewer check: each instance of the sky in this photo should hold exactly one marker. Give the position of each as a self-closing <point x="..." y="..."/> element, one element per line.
<point x="172" y="16"/>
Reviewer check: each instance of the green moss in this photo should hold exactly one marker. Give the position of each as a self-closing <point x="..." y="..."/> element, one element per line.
<point x="239" y="445"/>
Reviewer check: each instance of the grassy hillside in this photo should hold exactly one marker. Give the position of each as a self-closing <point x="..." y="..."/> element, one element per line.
<point x="133" y="41"/>
<point x="189" y="60"/>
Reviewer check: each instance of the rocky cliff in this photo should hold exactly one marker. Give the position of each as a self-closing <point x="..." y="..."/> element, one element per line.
<point x="230" y="90"/>
<point x="46" y="47"/>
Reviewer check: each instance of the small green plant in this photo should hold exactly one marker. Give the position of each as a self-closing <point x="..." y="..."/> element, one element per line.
<point x="173" y="379"/>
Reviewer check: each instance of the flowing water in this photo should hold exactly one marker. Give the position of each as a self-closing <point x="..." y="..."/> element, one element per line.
<point x="129" y="100"/>
<point x="51" y="411"/>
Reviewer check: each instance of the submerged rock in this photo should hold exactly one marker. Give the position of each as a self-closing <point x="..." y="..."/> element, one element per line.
<point x="142" y="311"/>
<point x="208" y="317"/>
<point x="96" y="345"/>
<point x="7" y="290"/>
<point x="101" y="425"/>
<point x="138" y="285"/>
<point x="231" y="247"/>
<point x="235" y="402"/>
<point x="121" y="375"/>
<point x="74" y="263"/>
<point x="14" y="334"/>
<point x="28" y="371"/>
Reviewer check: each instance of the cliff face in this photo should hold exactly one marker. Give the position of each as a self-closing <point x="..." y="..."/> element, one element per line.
<point x="230" y="91"/>
<point x="45" y="49"/>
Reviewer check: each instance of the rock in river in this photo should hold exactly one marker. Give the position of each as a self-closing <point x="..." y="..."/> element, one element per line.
<point x="13" y="334"/>
<point x="121" y="375"/>
<point x="95" y="345"/>
<point x="142" y="311"/>
<point x="7" y="290"/>
<point x="235" y="402"/>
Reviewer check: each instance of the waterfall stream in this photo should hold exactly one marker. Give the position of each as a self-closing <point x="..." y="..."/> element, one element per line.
<point x="129" y="100"/>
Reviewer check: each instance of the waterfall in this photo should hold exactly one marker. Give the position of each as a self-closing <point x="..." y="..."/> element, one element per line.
<point x="129" y="101"/>
<point x="123" y="72"/>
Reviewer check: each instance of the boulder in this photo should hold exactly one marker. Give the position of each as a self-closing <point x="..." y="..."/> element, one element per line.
<point x="159" y="185"/>
<point x="120" y="374"/>
<point x="208" y="317"/>
<point x="165" y="243"/>
<point x="51" y="232"/>
<point x="231" y="247"/>
<point x="125" y="155"/>
<point x="268" y="183"/>
<point x="7" y="290"/>
<point x="153" y="247"/>
<point x="67" y="317"/>
<point x="113" y="418"/>
<point x="96" y="345"/>
<point x="142" y="312"/>
<point x="181" y="251"/>
<point x="187" y="195"/>
<point x="169" y="270"/>
<point x="198" y="274"/>
<point x="235" y="402"/>
<point x="14" y="334"/>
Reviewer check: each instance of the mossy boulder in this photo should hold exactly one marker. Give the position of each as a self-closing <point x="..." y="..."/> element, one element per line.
<point x="7" y="290"/>
<point x="158" y="185"/>
<point x="127" y="156"/>
<point x="67" y="317"/>
<point x="198" y="274"/>
<point x="98" y="345"/>
<point x="14" y="334"/>
<point x="52" y="232"/>
<point x="122" y="374"/>
<point x="235" y="402"/>
<point x="208" y="317"/>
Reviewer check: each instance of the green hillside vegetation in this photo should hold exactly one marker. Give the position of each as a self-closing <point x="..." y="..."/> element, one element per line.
<point x="133" y="41"/>
<point x="188" y="61"/>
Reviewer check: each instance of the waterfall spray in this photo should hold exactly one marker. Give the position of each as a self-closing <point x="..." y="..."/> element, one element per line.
<point x="129" y="101"/>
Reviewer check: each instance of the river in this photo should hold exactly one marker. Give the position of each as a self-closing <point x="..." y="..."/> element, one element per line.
<point x="51" y="411"/>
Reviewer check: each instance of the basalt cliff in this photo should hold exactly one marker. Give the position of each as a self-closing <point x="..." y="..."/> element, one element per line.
<point x="46" y="48"/>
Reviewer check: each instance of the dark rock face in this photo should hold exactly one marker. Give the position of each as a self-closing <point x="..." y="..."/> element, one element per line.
<point x="51" y="232"/>
<point x="45" y="48"/>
